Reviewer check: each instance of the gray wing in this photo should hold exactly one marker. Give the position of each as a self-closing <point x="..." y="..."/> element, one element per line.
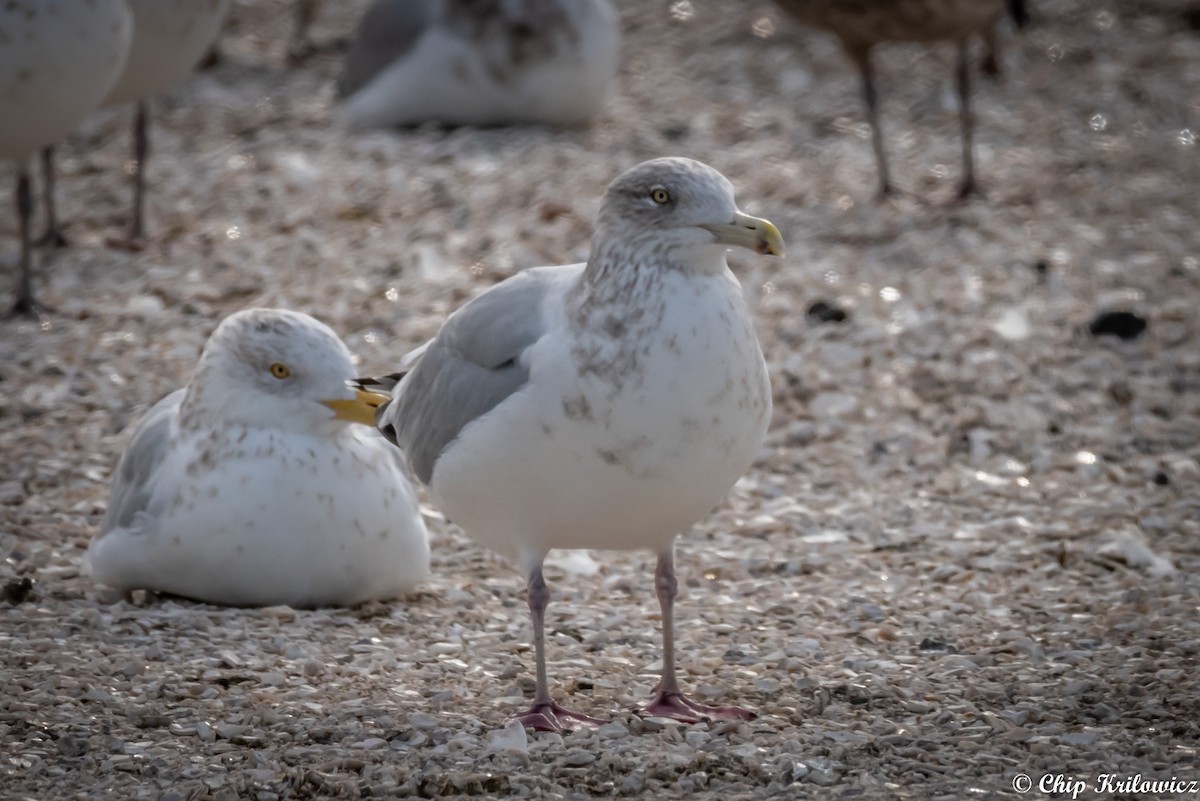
<point x="471" y="366"/>
<point x="132" y="487"/>
<point x="385" y="34"/>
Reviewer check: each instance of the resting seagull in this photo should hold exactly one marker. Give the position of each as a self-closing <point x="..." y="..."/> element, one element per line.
<point x="605" y="405"/>
<point x="243" y="488"/>
<point x="479" y="62"/>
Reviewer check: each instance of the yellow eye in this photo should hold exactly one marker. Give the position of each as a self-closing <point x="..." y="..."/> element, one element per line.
<point x="280" y="370"/>
<point x="660" y="196"/>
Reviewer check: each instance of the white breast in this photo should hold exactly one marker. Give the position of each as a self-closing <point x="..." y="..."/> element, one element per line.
<point x="580" y="460"/>
<point x="262" y="521"/>
<point x="169" y="39"/>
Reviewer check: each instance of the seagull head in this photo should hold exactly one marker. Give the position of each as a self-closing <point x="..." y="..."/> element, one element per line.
<point x="680" y="213"/>
<point x="271" y="368"/>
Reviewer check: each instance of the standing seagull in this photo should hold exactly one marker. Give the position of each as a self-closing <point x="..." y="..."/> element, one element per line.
<point x="170" y="37"/>
<point x="480" y="62"/>
<point x="605" y="405"/>
<point x="862" y="24"/>
<point x="58" y="59"/>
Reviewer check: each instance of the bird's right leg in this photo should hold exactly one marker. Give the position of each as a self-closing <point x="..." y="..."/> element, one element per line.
<point x="861" y="56"/>
<point x="25" y="305"/>
<point x="52" y="236"/>
<point x="968" y="186"/>
<point x="135" y="240"/>
<point x="544" y="714"/>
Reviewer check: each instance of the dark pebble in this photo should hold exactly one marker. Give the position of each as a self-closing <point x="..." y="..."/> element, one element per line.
<point x="676" y="132"/>
<point x="1123" y="324"/>
<point x="822" y="312"/>
<point x="18" y="590"/>
<point x="930" y="644"/>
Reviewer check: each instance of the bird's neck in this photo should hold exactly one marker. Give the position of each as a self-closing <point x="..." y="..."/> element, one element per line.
<point x="626" y="282"/>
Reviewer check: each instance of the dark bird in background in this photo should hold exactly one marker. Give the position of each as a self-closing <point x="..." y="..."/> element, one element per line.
<point x="862" y="24"/>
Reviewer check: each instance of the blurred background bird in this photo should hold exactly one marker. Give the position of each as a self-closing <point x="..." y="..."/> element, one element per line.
<point x="170" y="37"/>
<point x="862" y="24"/>
<point x="59" y="59"/>
<point x="479" y="62"/>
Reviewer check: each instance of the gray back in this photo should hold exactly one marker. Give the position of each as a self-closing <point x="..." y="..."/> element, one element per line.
<point x="471" y="366"/>
<point x="132" y="487"/>
<point x="385" y="34"/>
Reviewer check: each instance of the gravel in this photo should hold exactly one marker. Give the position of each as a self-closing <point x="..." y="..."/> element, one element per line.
<point x="967" y="552"/>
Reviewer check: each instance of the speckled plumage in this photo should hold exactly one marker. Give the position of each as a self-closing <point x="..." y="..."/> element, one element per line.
<point x="605" y="405"/>
<point x="242" y="489"/>
<point x="479" y="62"/>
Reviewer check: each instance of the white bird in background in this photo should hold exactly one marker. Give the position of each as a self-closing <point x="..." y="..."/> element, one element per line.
<point x="243" y="489"/>
<point x="605" y="405"/>
<point x="480" y="62"/>
<point x="170" y="37"/>
<point x="58" y="60"/>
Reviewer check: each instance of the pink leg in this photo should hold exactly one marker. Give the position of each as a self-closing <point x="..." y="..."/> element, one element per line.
<point x="669" y="701"/>
<point x="545" y="715"/>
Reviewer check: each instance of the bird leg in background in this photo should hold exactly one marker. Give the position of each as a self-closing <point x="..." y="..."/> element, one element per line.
<point x="991" y="53"/>
<point x="53" y="236"/>
<point x="300" y="48"/>
<point x="135" y="240"/>
<point x="25" y="305"/>
<point x="545" y="715"/>
<point x="861" y="56"/>
<point x="968" y="187"/>
<point x="669" y="701"/>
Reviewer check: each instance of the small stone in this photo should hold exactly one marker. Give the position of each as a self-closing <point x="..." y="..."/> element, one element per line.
<point x="930" y="644"/>
<point x="424" y="720"/>
<point x="612" y="731"/>
<point x="822" y="312"/>
<point x="634" y="783"/>
<point x="578" y="757"/>
<point x="1122" y="324"/>
<point x="229" y="731"/>
<point x="17" y="591"/>
<point x="822" y="776"/>
<point x="12" y="493"/>
<point x="371" y="744"/>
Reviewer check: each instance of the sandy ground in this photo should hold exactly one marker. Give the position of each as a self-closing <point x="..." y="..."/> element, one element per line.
<point x="967" y="552"/>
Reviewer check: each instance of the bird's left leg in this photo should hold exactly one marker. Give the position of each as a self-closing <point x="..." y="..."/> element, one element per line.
<point x="968" y="187"/>
<point x="669" y="701"/>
